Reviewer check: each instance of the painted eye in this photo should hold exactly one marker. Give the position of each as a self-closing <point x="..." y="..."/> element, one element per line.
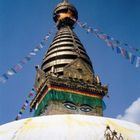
<point x="86" y="108"/>
<point x="70" y="105"/>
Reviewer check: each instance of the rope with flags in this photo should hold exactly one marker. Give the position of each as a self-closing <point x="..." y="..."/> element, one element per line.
<point x="19" y="66"/>
<point x="121" y="48"/>
<point x="26" y="103"/>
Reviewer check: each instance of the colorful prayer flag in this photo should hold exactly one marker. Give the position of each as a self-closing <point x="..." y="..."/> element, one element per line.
<point x="110" y="44"/>
<point x="5" y="76"/>
<point x="22" y="110"/>
<point x="118" y="49"/>
<point x="33" y="89"/>
<point x="20" y="113"/>
<point x="135" y="49"/>
<point x="95" y="30"/>
<point x="27" y="101"/>
<point x="46" y="37"/>
<point x="99" y="34"/>
<point x="43" y="42"/>
<point x="2" y="80"/>
<point x="89" y="30"/>
<point x="28" y="58"/>
<point x="24" y="61"/>
<point x="32" y="53"/>
<point x="11" y="72"/>
<point x="126" y="44"/>
<point x="131" y="57"/>
<point x="36" y="50"/>
<point x="102" y="36"/>
<point x="108" y="37"/>
<point x="49" y="33"/>
<point x="17" y="67"/>
<point x="40" y="46"/>
<point x="124" y="53"/>
<point x="117" y="42"/>
<point x="23" y="107"/>
<point x="17" y="118"/>
<point x="84" y="25"/>
<point x="31" y="94"/>
<point x="26" y="104"/>
<point x="137" y="62"/>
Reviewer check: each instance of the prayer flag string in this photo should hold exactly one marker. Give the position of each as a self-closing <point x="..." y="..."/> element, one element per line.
<point x="116" y="45"/>
<point x="26" y="103"/>
<point x="19" y="66"/>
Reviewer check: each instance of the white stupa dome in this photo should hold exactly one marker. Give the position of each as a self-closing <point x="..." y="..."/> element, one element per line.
<point x="67" y="127"/>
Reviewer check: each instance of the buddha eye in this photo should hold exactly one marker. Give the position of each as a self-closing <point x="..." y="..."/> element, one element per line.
<point x="70" y="105"/>
<point x="86" y="108"/>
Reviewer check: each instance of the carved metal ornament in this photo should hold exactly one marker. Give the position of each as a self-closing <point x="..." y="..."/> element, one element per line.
<point x="112" y="135"/>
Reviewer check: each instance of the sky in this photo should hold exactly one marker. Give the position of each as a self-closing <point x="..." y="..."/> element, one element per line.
<point x="24" y="23"/>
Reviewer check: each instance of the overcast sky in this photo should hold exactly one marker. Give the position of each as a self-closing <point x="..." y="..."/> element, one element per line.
<point x="24" y="23"/>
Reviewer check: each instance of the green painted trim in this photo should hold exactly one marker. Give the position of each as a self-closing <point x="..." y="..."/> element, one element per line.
<point x="54" y="95"/>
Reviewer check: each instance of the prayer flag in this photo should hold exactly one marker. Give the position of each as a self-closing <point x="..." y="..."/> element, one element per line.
<point x="126" y="44"/>
<point x="17" y="67"/>
<point x="110" y="44"/>
<point x="43" y="43"/>
<point x="96" y="30"/>
<point x="31" y="94"/>
<point x="137" y="62"/>
<point x="89" y="30"/>
<point x="5" y="76"/>
<point x="2" y="80"/>
<point x="20" y="113"/>
<point x="108" y="37"/>
<point x="131" y="57"/>
<point x="118" y="50"/>
<point x="17" y="118"/>
<point x="46" y="37"/>
<point x="124" y="53"/>
<point x="49" y="33"/>
<point x="117" y="42"/>
<point x="33" y="89"/>
<point x="84" y="25"/>
<point x="26" y="104"/>
<point x="11" y="72"/>
<point x="32" y="53"/>
<point x="135" y="49"/>
<point x="102" y="36"/>
<point x="27" y="101"/>
<point x="40" y="46"/>
<point x="23" y="107"/>
<point x="24" y="61"/>
<point x="28" y="58"/>
<point x="22" y="110"/>
<point x="36" y="50"/>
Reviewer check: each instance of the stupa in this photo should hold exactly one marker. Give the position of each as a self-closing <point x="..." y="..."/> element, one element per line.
<point x="69" y="100"/>
<point x="66" y="83"/>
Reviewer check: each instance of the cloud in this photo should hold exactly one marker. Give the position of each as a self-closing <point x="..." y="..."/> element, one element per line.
<point x="132" y="113"/>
